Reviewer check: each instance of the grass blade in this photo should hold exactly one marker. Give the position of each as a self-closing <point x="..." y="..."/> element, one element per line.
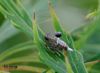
<point x="16" y="49"/>
<point x="45" y="57"/>
<point x="75" y="57"/>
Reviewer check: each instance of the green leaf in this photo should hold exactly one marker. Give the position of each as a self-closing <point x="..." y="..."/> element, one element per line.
<point x="45" y="57"/>
<point x="16" y="17"/>
<point x="7" y="53"/>
<point x="75" y="57"/>
<point x="93" y="66"/>
<point x="91" y="52"/>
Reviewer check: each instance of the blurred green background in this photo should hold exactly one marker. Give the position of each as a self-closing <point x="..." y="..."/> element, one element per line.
<point x="72" y="15"/>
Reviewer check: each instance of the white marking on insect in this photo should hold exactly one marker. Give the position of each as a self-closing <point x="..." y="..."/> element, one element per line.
<point x="61" y="42"/>
<point x="70" y="49"/>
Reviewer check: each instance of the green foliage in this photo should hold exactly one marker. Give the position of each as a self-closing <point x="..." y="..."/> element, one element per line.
<point x="31" y="55"/>
<point x="74" y="57"/>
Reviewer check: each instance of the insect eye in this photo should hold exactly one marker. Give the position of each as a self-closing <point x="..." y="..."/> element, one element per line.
<point x="58" y="34"/>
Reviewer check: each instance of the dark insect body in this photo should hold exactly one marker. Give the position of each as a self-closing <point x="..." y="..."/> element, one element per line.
<point x="55" y="43"/>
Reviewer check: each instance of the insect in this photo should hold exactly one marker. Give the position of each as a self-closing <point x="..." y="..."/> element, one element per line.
<point x="55" y="43"/>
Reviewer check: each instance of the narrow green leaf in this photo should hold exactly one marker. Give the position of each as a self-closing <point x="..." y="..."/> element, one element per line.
<point x="15" y="17"/>
<point x="91" y="66"/>
<point x="58" y="27"/>
<point x="11" y="51"/>
<point x="21" y="11"/>
<point x="75" y="57"/>
<point x="24" y="59"/>
<point x="45" y="57"/>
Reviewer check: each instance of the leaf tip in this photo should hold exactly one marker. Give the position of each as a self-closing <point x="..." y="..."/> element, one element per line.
<point x="34" y="16"/>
